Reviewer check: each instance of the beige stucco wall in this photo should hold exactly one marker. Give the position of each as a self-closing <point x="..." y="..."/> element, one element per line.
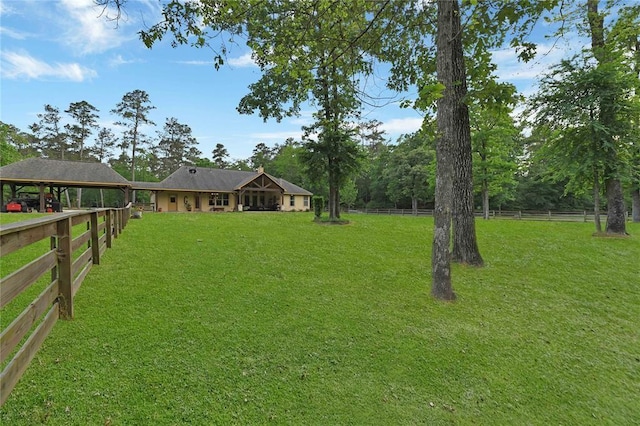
<point x="299" y="203"/>
<point x="162" y="202"/>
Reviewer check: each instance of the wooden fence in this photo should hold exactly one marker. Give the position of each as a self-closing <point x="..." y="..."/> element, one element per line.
<point x="68" y="261"/>
<point x="574" y="216"/>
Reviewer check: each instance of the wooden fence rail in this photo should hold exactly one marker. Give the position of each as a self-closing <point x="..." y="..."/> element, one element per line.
<point x="574" y="216"/>
<point x="68" y="261"/>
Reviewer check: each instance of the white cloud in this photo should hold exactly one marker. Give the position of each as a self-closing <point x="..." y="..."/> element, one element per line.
<point x="17" y="35"/>
<point x="524" y="75"/>
<point x="304" y="118"/>
<point x="243" y="61"/>
<point x="396" y="126"/>
<point x="22" y="65"/>
<point x="277" y="136"/>
<point x="5" y="9"/>
<point x="118" y="60"/>
<point x="88" y="29"/>
<point x="209" y="63"/>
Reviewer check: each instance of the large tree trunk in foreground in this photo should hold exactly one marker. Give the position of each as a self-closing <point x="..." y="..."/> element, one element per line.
<point x="449" y="66"/>
<point x="607" y="117"/>
<point x="616" y="211"/>
<point x="465" y="245"/>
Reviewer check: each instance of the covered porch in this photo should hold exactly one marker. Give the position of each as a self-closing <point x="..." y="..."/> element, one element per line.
<point x="260" y="193"/>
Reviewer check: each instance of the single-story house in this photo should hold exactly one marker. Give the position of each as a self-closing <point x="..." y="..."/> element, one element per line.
<point x="203" y="189"/>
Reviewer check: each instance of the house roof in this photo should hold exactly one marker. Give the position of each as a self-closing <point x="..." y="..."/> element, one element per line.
<point x="63" y="173"/>
<point x="203" y="179"/>
<point x="33" y="171"/>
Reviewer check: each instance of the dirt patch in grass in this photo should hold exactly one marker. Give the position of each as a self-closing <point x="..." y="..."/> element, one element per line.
<point x="331" y="222"/>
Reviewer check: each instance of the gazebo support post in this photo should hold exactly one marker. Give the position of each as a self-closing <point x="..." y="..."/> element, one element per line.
<point x="41" y="195"/>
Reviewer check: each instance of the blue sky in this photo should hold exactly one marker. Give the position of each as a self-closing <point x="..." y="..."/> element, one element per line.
<point x="58" y="52"/>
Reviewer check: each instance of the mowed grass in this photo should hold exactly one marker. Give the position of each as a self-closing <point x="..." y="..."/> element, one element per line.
<point x="270" y="318"/>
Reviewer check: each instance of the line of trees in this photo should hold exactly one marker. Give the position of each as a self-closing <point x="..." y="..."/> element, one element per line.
<point x="511" y="171"/>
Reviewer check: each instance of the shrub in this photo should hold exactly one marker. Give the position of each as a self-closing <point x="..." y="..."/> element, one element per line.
<point x="318" y="205"/>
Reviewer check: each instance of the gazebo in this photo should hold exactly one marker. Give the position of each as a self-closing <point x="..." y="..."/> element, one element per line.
<point x="60" y="174"/>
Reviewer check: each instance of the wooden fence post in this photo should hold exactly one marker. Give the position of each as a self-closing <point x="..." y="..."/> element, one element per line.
<point x="109" y="226"/>
<point x="120" y="219"/>
<point x="116" y="223"/>
<point x="127" y="216"/>
<point x="95" y="239"/>
<point x="65" y="280"/>
<point x="53" y="244"/>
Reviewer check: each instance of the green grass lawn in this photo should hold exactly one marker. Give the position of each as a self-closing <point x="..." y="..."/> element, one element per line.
<point x="270" y="318"/>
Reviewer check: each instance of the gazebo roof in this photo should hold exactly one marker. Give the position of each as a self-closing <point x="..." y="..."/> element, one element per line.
<point x="34" y="171"/>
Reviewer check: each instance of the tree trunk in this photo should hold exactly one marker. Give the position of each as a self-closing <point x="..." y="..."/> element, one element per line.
<point x="615" y="200"/>
<point x="465" y="245"/>
<point x="446" y="62"/>
<point x="66" y="194"/>
<point x="133" y="155"/>
<point x="485" y="201"/>
<point x="596" y="201"/>
<point x="635" y="205"/>
<point x="414" y="206"/>
<point x="334" y="196"/>
<point x="616" y="211"/>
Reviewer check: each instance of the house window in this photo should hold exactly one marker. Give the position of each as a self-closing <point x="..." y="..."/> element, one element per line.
<point x="292" y="201"/>
<point x="219" y="199"/>
<point x="306" y="201"/>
